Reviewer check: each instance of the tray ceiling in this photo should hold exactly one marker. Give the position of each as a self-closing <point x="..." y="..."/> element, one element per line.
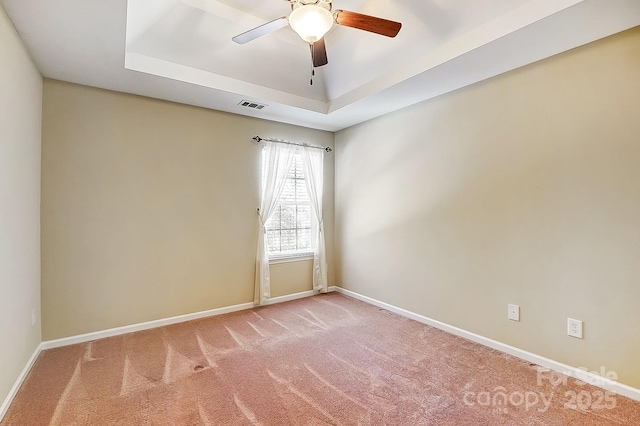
<point x="181" y="50"/>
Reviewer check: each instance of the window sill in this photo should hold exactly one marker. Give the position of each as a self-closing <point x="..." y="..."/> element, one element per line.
<point x="291" y="258"/>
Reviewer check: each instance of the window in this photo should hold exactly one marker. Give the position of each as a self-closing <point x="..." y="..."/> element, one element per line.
<point x="291" y="230"/>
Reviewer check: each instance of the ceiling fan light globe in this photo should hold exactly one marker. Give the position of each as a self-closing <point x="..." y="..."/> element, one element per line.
<point x="311" y="22"/>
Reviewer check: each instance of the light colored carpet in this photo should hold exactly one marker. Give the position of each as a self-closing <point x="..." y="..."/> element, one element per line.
<point x="324" y="360"/>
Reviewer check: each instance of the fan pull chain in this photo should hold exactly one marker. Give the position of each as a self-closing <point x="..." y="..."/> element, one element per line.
<point x="313" y="73"/>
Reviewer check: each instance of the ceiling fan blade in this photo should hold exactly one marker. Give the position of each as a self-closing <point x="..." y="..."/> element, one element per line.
<point x="263" y="29"/>
<point x="319" y="53"/>
<point x="367" y="23"/>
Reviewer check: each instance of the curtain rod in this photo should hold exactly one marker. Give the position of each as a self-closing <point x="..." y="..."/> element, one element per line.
<point x="258" y="139"/>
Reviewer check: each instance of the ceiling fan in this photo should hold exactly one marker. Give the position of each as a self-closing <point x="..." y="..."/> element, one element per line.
<point x="312" y="19"/>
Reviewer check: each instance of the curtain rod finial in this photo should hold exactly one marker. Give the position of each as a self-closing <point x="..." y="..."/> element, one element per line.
<point x="257" y="139"/>
<point x="328" y="149"/>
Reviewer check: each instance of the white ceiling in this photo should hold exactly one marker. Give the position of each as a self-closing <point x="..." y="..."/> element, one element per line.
<point x="181" y="50"/>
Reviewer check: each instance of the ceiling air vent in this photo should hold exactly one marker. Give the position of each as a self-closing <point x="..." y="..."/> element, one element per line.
<point x="250" y="104"/>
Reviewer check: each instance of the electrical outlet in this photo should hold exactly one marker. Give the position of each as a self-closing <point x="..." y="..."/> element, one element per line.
<point x="513" y="312"/>
<point x="574" y="328"/>
<point x="33" y="318"/>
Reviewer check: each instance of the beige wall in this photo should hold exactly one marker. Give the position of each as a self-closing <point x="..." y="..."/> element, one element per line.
<point x="20" y="112"/>
<point x="149" y="209"/>
<point x="522" y="189"/>
<point x="286" y="277"/>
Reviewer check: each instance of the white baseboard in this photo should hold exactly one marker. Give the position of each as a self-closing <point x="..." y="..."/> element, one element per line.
<point x="16" y="386"/>
<point x="87" y="337"/>
<point x="594" y="379"/>
<point x="82" y="338"/>
<point x="295" y="296"/>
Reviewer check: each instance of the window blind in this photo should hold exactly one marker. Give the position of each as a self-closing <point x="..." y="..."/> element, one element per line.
<point x="290" y="228"/>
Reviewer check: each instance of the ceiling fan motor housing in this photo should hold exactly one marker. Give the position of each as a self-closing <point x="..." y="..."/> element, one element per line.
<point x="322" y="3"/>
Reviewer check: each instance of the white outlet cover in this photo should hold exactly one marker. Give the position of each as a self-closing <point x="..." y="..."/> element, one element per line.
<point x="513" y="312"/>
<point x="574" y="328"/>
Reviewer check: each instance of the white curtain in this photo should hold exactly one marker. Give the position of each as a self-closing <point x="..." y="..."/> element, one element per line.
<point x="278" y="160"/>
<point x="312" y="159"/>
